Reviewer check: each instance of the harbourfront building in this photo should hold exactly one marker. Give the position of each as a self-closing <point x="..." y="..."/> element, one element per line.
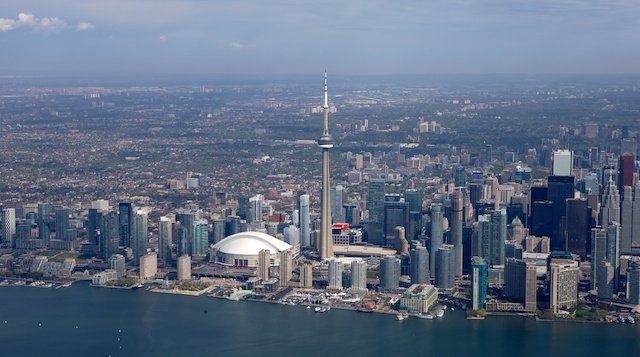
<point x="117" y="263"/>
<point x="389" y="273"/>
<point x="358" y="275"/>
<point x="164" y="239"/>
<point x="336" y="268"/>
<point x="148" y="266"/>
<point x="478" y="283"/>
<point x="184" y="268"/>
<point x="306" y="275"/>
<point x="419" y="298"/>
<point x="564" y="278"/>
<point x="286" y="267"/>
<point x="264" y="263"/>
<point x="445" y="267"/>
<point x="520" y="283"/>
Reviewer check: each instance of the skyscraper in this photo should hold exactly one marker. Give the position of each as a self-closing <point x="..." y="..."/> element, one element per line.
<point x="44" y="231"/>
<point x="563" y="284"/>
<point x="605" y="280"/>
<point x="560" y="188"/>
<point x="456" y="230"/>
<point x="325" y="142"/>
<point x="125" y="211"/>
<point x="286" y="267"/>
<point x="243" y="207"/>
<point x="255" y="210"/>
<point x="335" y="274"/>
<point x="414" y="198"/>
<point x="626" y="167"/>
<point x="358" y="275"/>
<point x="635" y="230"/>
<point x="164" y="239"/>
<point x="375" y="206"/>
<point x="626" y="219"/>
<point x="445" y="267"/>
<point x="613" y="251"/>
<point x="630" y="219"/>
<point x="389" y="273"/>
<point x="498" y="237"/>
<point x="306" y="275"/>
<point x="62" y="223"/>
<point x="563" y="163"/>
<point x="579" y="227"/>
<point x="305" y="221"/>
<point x="182" y="242"/>
<point x="419" y="267"/>
<point x="633" y="285"/>
<point x="598" y="253"/>
<point x="200" y="238"/>
<point x="264" y="263"/>
<point x="187" y="221"/>
<point x="109" y="235"/>
<point x="184" y="267"/>
<point x="117" y="261"/>
<point x="460" y="177"/>
<point x="233" y="225"/>
<point x="93" y="224"/>
<point x="337" y="195"/>
<point x="437" y="238"/>
<point x="8" y="226"/>
<point x="396" y="214"/>
<point x="481" y="237"/>
<point x="610" y="211"/>
<point x="478" y="283"/>
<point x="139" y="236"/>
<point x="520" y="282"/>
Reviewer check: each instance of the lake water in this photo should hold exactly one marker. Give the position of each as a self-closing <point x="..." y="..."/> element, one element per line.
<point x="86" y="321"/>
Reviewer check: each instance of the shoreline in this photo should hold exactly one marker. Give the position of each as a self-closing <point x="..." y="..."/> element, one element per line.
<point x="206" y="293"/>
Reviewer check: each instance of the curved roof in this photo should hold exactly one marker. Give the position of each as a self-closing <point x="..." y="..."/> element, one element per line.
<point x="250" y="243"/>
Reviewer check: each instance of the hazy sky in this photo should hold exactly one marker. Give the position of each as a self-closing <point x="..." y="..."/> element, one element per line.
<point x="302" y="37"/>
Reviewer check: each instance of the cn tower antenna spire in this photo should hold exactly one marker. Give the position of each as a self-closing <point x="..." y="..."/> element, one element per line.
<point x="326" y="92"/>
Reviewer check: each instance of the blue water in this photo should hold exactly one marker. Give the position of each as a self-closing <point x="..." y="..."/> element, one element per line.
<point x="85" y="321"/>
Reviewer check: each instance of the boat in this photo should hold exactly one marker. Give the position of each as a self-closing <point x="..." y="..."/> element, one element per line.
<point x="440" y="314"/>
<point x="317" y="309"/>
<point x="631" y="320"/>
<point x="308" y="307"/>
<point x="401" y="317"/>
<point x="427" y="316"/>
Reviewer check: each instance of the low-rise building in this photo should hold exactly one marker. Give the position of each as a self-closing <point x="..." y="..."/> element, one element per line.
<point x="419" y="298"/>
<point x="104" y="277"/>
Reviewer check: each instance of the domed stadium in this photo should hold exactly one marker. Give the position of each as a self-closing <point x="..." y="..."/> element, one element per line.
<point x="242" y="249"/>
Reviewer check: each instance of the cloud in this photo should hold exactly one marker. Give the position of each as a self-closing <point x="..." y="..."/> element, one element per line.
<point x="236" y="45"/>
<point x="44" y="24"/>
<point x="84" y="26"/>
<point x="164" y="38"/>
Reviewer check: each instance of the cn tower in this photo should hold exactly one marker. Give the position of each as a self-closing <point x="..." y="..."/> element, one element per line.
<point x="325" y="143"/>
